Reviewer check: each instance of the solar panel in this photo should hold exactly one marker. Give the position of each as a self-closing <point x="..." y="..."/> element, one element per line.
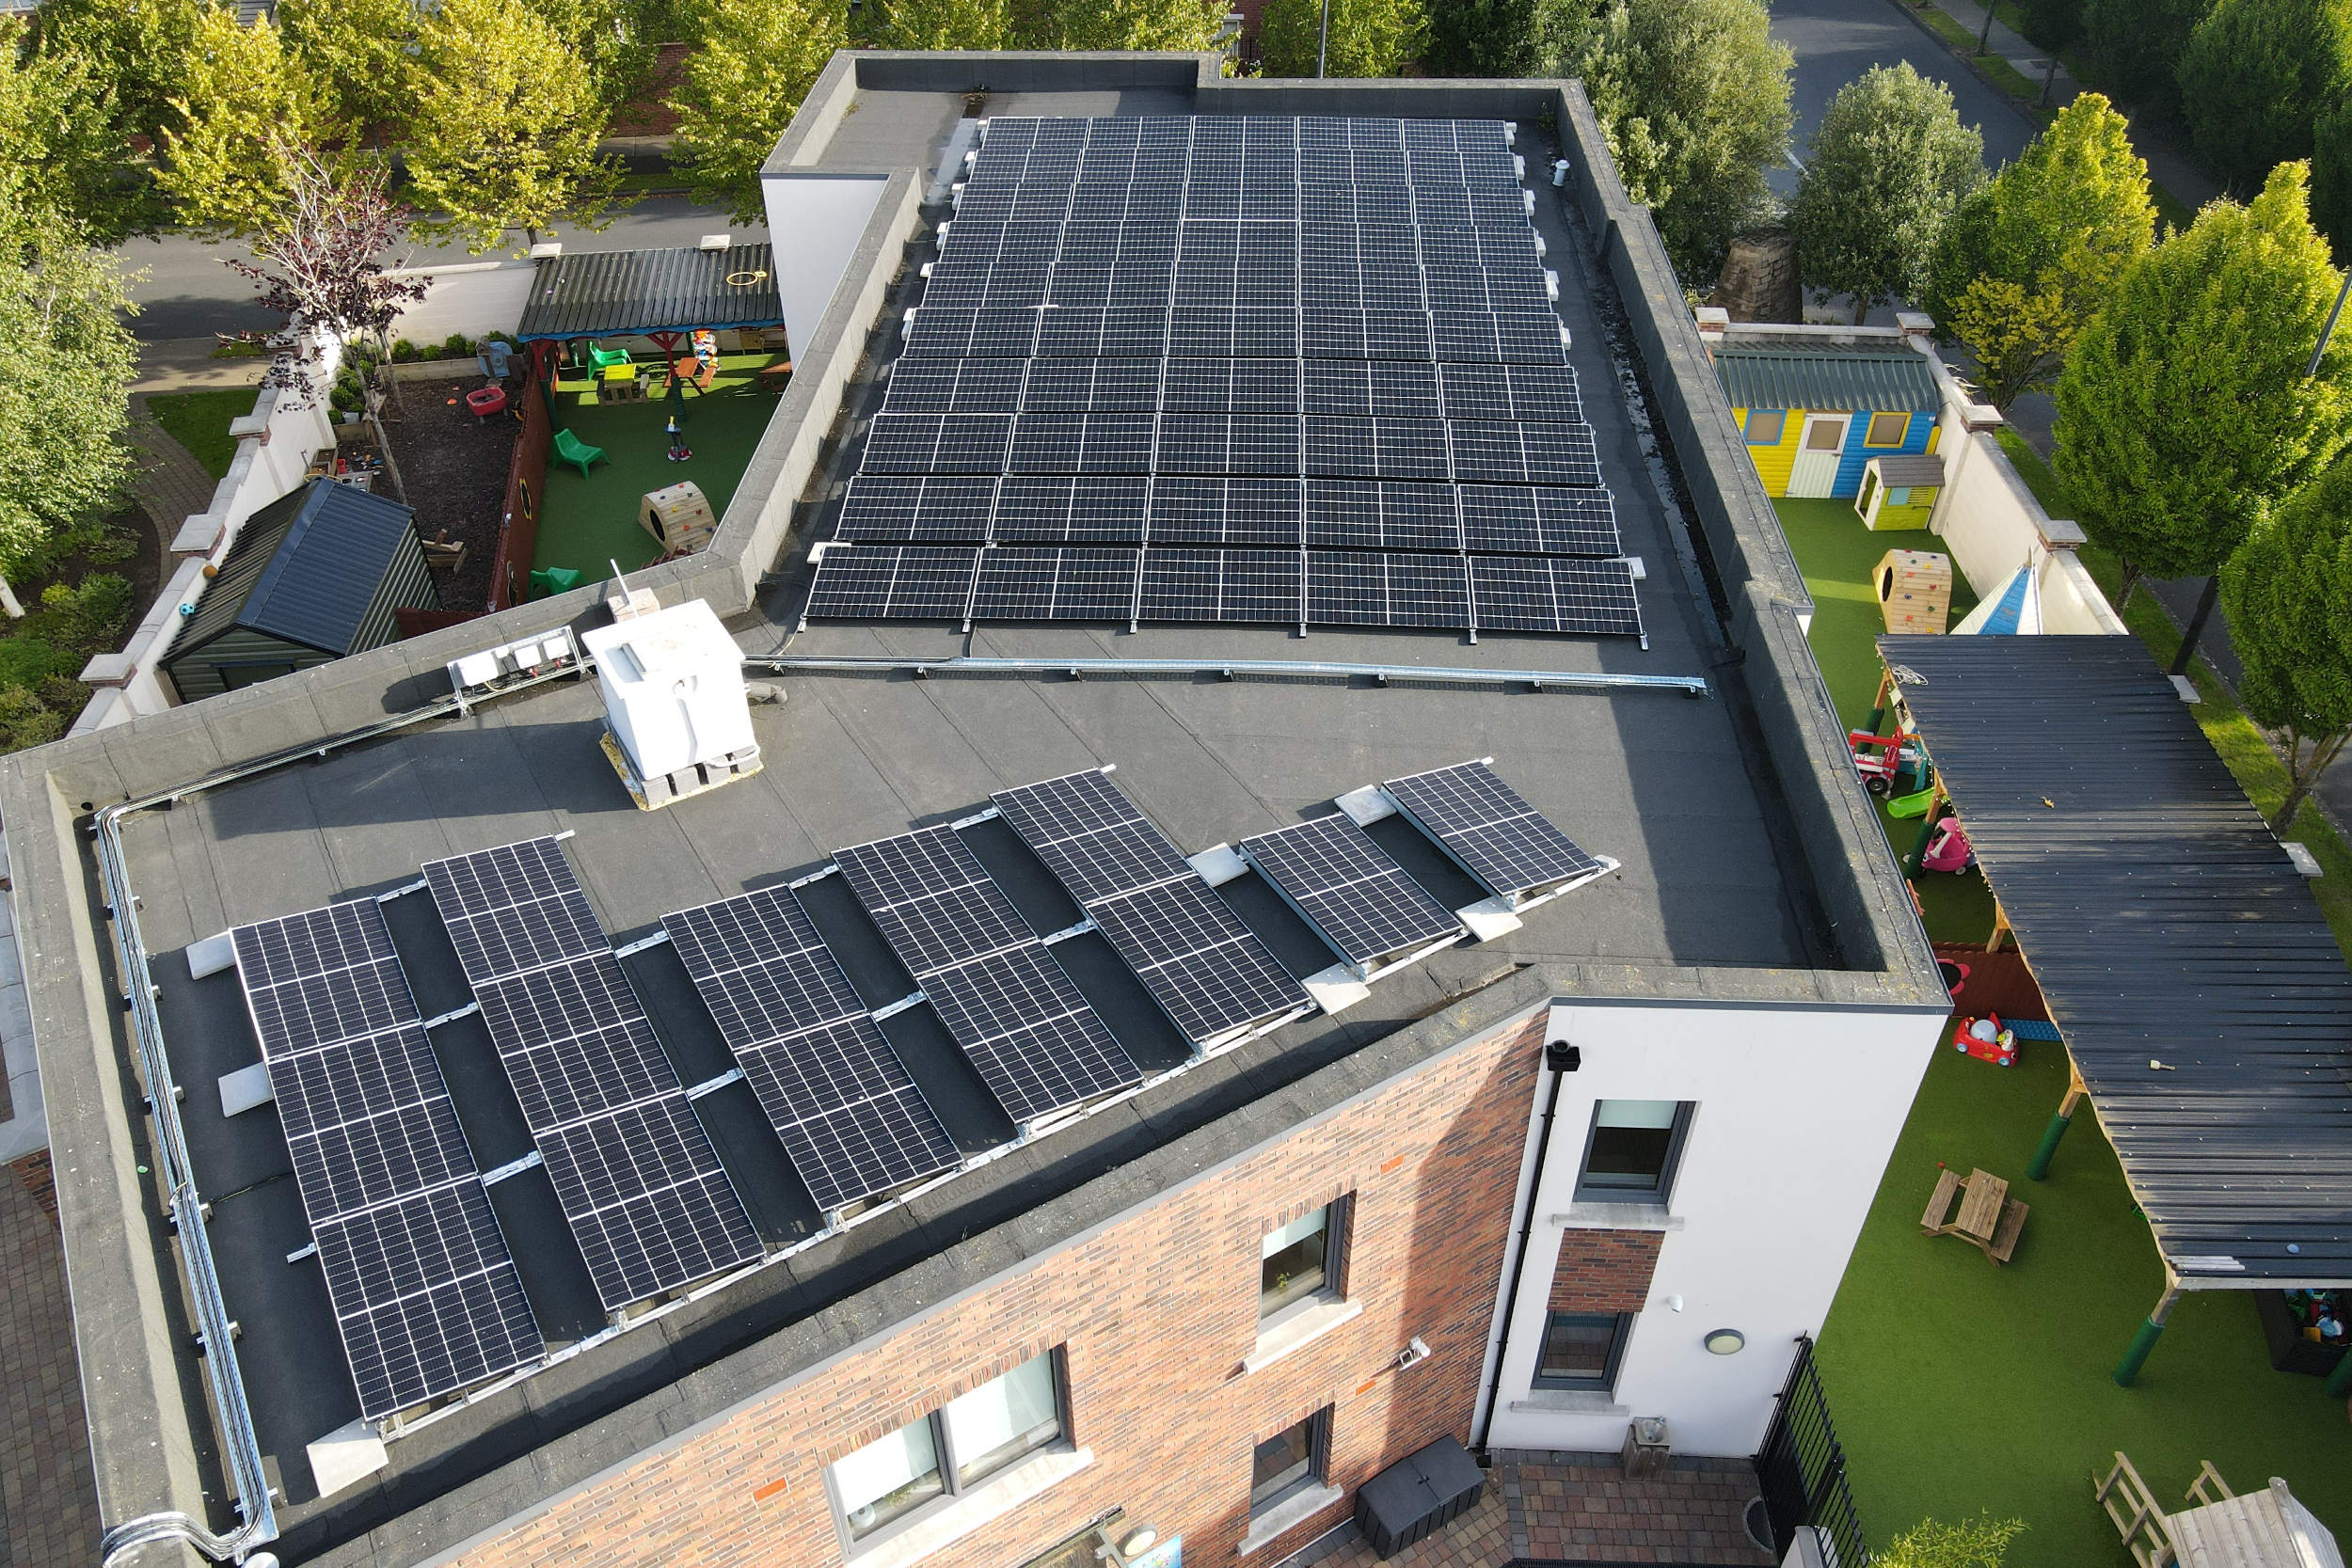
<point x="1365" y="587"/>
<point x="1510" y="519"/>
<point x="1591" y="598"/>
<point x="1082" y="444"/>
<point x="897" y="509"/>
<point x="1512" y="848"/>
<point x="936" y="443"/>
<point x="919" y="386"/>
<point x="1075" y="584"/>
<point x="893" y="582"/>
<point x="1221" y="585"/>
<point x="1035" y="1042"/>
<point x="850" y="1119"/>
<point x="1207" y="970"/>
<point x="644" y="1195"/>
<point x="424" y="1293"/>
<point x="1348" y="888"/>
<point x="1362" y="514"/>
<point x="1526" y="453"/>
<point x="1071" y="509"/>
<point x="1225" y="511"/>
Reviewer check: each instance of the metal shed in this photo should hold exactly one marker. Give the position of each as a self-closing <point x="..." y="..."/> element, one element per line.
<point x="648" y="292"/>
<point x="2202" y="999"/>
<point x="314" y="576"/>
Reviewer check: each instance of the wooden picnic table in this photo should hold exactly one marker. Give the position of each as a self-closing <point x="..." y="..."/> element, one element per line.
<point x="1988" y="1218"/>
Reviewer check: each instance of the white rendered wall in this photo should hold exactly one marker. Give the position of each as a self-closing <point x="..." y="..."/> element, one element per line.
<point x="814" y="221"/>
<point x="1796" y="1112"/>
<point x="472" y="298"/>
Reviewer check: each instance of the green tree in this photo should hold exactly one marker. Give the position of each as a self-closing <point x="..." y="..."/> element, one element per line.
<point x="1890" y="165"/>
<point x="62" y="408"/>
<point x="937" y="24"/>
<point x="1977" y="1542"/>
<point x="2183" y="413"/>
<point x="358" y="51"/>
<point x="1485" y="38"/>
<point x="132" y="51"/>
<point x="752" y="63"/>
<point x="1191" y="25"/>
<point x="2053" y="231"/>
<point x="243" y="99"/>
<point x="503" y="127"/>
<point x="620" y="41"/>
<point x="1369" y="38"/>
<point x="2331" y="175"/>
<point x="60" y="150"/>
<point x="2055" y="24"/>
<point x="1693" y="96"/>
<point x="2138" y="45"/>
<point x="2252" y="78"/>
<point x="2288" y="594"/>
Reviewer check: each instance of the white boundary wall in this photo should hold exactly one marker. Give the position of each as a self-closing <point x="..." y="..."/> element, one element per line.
<point x="274" y="447"/>
<point x="472" y="298"/>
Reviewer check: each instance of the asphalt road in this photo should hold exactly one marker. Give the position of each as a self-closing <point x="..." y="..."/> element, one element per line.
<point x="1837" y="41"/>
<point x="189" y="292"/>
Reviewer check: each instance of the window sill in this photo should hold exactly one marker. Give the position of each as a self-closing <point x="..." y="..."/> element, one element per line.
<point x="993" y="1500"/>
<point x="1617" y="1216"/>
<point x="1299" y="1330"/>
<point x="1290" y="1512"/>
<point x="1572" y="1401"/>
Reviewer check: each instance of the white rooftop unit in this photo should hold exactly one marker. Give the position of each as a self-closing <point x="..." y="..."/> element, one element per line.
<point x="677" y="719"/>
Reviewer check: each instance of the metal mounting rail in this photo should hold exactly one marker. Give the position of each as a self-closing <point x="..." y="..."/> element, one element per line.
<point x="1234" y="669"/>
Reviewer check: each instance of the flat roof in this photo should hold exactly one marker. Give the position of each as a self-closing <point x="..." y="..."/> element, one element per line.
<point x="627" y="293"/>
<point x="2200" y="994"/>
<point x="1750" y="868"/>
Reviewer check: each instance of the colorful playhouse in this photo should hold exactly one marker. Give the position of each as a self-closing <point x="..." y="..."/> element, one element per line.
<point x="1814" y="415"/>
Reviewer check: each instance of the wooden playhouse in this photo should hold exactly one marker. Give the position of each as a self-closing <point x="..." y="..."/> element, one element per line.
<point x="1815" y="412"/>
<point x="1899" y="492"/>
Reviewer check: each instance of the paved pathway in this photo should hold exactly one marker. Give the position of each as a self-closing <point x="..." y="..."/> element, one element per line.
<point x="1578" y="1507"/>
<point x="48" y="1500"/>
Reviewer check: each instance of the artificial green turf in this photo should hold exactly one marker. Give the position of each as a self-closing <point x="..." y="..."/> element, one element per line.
<point x="1838" y="556"/>
<point x="1960" y="1386"/>
<point x="200" y="421"/>
<point x="585" y="523"/>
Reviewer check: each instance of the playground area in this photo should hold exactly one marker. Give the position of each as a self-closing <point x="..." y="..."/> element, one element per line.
<point x="588" y="519"/>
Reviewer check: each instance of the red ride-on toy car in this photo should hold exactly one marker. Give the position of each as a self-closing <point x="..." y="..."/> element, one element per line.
<point x="1881" y="759"/>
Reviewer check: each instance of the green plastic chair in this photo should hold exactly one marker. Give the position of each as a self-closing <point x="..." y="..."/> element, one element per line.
<point x="571" y="449"/>
<point x="605" y="358"/>
<point x="548" y="581"/>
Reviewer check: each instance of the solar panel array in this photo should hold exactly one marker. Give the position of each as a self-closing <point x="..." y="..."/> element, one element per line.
<point x="645" y="1196"/>
<point x="424" y="1293"/>
<point x="1314" y="358"/>
<point x="1036" y="1041"/>
<point x="1512" y="849"/>
<point x="1366" y="906"/>
<point x="850" y="1119"/>
<point x="1207" y="970"/>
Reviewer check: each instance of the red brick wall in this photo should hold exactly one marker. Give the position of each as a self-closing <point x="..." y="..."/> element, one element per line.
<point x="1154" y="1315"/>
<point x="1604" y="1271"/>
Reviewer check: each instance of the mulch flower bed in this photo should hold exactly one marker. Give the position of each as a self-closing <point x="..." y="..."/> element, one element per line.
<point x="454" y="467"/>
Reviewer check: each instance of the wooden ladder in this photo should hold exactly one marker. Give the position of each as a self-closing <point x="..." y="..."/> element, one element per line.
<point x="2132" y="1508"/>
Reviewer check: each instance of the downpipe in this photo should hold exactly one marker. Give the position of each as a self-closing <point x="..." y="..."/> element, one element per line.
<point x="1560" y="1058"/>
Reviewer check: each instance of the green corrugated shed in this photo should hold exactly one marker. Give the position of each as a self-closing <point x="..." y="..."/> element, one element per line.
<point x="1825" y="379"/>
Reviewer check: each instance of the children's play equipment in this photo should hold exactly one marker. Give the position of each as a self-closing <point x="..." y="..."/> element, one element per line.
<point x="605" y="359"/>
<point x="1987" y="1039"/>
<point x="678" y="516"/>
<point x="1914" y="589"/>
<point x="571" y="449"/>
<point x="1887" y="762"/>
<point x="1947" y="848"/>
<point x="2014" y="611"/>
<point x="486" y="400"/>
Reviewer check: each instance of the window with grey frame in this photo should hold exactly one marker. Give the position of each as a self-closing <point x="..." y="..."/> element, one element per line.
<point x="1301" y="1262"/>
<point x="1290" y="1462"/>
<point x="1582" y="1350"/>
<point x="892" y="1482"/>
<point x="1632" y="1151"/>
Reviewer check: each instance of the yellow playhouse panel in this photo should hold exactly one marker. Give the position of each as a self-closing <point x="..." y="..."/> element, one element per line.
<point x="1772" y="463"/>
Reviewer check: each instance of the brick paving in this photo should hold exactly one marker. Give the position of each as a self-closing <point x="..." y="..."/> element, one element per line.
<point x="1578" y="1509"/>
<point x="170" y="484"/>
<point x="48" y="1500"/>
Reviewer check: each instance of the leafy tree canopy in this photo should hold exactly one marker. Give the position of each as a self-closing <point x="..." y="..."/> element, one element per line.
<point x="1179" y="24"/>
<point x="944" y="25"/>
<point x="2138" y="44"/>
<point x="2331" y="175"/>
<point x="1890" y="165"/>
<point x="2253" y="76"/>
<point x="1486" y="38"/>
<point x="503" y="130"/>
<point x="2184" y="412"/>
<point x="60" y="149"/>
<point x="755" y="60"/>
<point x="1693" y="96"/>
<point x="1369" y="38"/>
<point x="243" y="98"/>
<point x="2288" y="594"/>
<point x="358" y="52"/>
<point x="132" y="51"/>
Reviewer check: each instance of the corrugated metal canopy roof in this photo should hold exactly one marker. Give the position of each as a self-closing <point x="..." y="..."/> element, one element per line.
<point x="304" y="568"/>
<point x="1825" y="378"/>
<point x="611" y="293"/>
<point x="2163" y="923"/>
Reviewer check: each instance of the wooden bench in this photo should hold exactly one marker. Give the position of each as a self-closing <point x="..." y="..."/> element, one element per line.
<point x="2005" y="1234"/>
<point x="1939" y="1213"/>
<point x="694" y="372"/>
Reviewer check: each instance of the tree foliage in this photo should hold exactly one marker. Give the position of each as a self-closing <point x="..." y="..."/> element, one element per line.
<point x="2331" y="175"/>
<point x="1890" y="165"/>
<point x="130" y="52"/>
<point x="2055" y="24"/>
<point x="60" y="150"/>
<point x="2183" y="413"/>
<point x="2288" y="594"/>
<point x="1190" y="25"/>
<point x="2138" y="44"/>
<point x="1369" y="38"/>
<point x="1693" y="96"/>
<point x="62" y="406"/>
<point x="2030" y="256"/>
<point x="2253" y="77"/>
<point x="358" y="51"/>
<point x="243" y="99"/>
<point x="1486" y="38"/>
<point x="1977" y="1542"/>
<point x="941" y="24"/>
<point x="503" y="129"/>
<point x="755" y="60"/>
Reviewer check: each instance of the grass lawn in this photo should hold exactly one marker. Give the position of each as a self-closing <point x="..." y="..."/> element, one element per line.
<point x="586" y="522"/>
<point x="200" y="421"/>
<point x="1838" y="556"/>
